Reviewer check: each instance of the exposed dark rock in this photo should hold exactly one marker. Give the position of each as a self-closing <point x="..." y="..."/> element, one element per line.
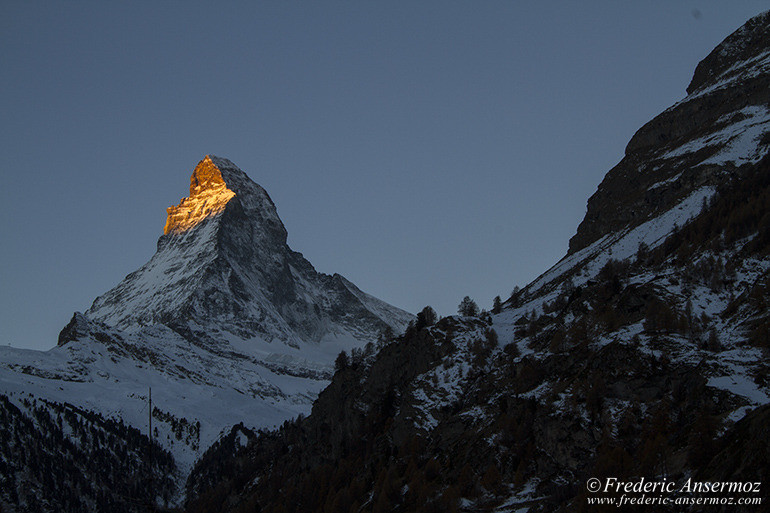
<point x="732" y="78"/>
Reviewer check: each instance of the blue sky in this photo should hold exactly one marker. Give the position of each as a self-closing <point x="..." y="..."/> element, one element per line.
<point x="424" y="150"/>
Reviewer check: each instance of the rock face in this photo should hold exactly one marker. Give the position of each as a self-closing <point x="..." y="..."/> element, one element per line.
<point x="223" y="264"/>
<point x="743" y="53"/>
<point x="698" y="142"/>
<point x="208" y="197"/>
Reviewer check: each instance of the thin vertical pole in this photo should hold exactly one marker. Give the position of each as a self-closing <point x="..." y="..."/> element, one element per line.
<point x="152" y="500"/>
<point x="150" y="419"/>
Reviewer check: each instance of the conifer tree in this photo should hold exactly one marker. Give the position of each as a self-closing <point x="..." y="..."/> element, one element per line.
<point x="468" y="307"/>
<point x="426" y="317"/>
<point x="341" y="363"/>
<point x="497" y="305"/>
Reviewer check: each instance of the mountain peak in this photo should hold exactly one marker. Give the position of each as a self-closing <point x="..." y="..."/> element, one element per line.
<point x="208" y="174"/>
<point x="215" y="181"/>
<point x="209" y="195"/>
<point x="224" y="263"/>
<point x="744" y="53"/>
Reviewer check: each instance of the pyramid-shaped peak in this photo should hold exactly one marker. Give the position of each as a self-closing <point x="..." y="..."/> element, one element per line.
<point x="207" y="175"/>
<point x="215" y="181"/>
<point x="214" y="172"/>
<point x="223" y="262"/>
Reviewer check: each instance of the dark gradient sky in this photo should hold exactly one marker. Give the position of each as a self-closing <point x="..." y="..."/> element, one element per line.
<point x="425" y="150"/>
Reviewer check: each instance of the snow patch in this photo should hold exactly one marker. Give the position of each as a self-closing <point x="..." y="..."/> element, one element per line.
<point x="738" y="140"/>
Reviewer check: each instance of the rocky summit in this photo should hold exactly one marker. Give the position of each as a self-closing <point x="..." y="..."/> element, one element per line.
<point x="702" y="141"/>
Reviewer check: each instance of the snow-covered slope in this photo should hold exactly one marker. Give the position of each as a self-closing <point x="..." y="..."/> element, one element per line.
<point x="226" y="324"/>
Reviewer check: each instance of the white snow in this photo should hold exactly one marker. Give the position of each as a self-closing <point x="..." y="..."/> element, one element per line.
<point x="665" y="182"/>
<point x="215" y="391"/>
<point x="625" y="243"/>
<point x="738" y="140"/>
<point x="740" y="385"/>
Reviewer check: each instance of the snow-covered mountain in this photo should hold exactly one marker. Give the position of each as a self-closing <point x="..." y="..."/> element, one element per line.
<point x="226" y="324"/>
<point x="223" y="269"/>
<point x="642" y="353"/>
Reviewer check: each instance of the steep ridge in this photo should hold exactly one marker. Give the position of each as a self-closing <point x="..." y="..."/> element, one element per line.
<point x="640" y="354"/>
<point x="225" y="324"/>
<point x="700" y="142"/>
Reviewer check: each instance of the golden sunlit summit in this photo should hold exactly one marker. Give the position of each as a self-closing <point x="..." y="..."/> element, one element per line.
<point x="208" y="197"/>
